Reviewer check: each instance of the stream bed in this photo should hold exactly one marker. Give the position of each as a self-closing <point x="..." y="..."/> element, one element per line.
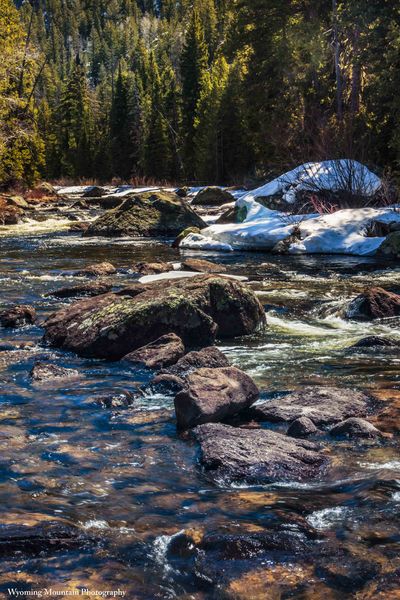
<point x="133" y="484"/>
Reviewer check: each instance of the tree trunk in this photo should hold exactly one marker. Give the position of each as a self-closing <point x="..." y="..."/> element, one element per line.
<point x="338" y="72"/>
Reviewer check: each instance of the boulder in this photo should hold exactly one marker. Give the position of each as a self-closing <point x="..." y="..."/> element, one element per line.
<point x="201" y="266"/>
<point x="211" y="395"/>
<point x="257" y="456"/>
<point x="355" y="428"/>
<point x="85" y="289"/>
<point x="182" y="192"/>
<point x="233" y="214"/>
<point x="322" y="405"/>
<point x="163" y="352"/>
<point x="95" y="192"/>
<point x="121" y="400"/>
<point x="98" y="270"/>
<point x="79" y="226"/>
<point x="374" y="303"/>
<point x="9" y="215"/>
<point x="374" y="341"/>
<point x="209" y="357"/>
<point x="151" y="268"/>
<point x="390" y="248"/>
<point x="181" y="236"/>
<point x="46" y="371"/>
<point x="212" y="196"/>
<point x="302" y="427"/>
<point x="18" y="201"/>
<point x="196" y="309"/>
<point x="17" y="316"/>
<point x="148" y="214"/>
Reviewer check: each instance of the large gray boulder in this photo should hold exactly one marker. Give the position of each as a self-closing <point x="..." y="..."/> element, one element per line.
<point x="211" y="395"/>
<point x="197" y="309"/>
<point x="256" y="455"/>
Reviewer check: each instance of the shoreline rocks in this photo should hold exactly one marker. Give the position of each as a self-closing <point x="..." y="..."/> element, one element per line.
<point x="18" y="316"/>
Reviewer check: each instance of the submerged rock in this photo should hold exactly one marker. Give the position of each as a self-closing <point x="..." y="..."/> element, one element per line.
<point x="355" y="428"/>
<point x="46" y="371"/>
<point x="322" y="405"/>
<point x="148" y="214"/>
<point x="18" y="316"/>
<point x="374" y="303"/>
<point x="98" y="270"/>
<point x="111" y="326"/>
<point x="302" y="427"/>
<point x="121" y="400"/>
<point x="257" y="455"/>
<point x="163" y="352"/>
<point x="36" y="539"/>
<point x="211" y="395"/>
<point x="374" y="341"/>
<point x="85" y="289"/>
<point x="212" y="196"/>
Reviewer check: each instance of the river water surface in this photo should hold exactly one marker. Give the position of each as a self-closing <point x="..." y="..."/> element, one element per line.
<point x="131" y="482"/>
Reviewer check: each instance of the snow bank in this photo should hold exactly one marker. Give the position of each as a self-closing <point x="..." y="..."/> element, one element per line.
<point x="182" y="275"/>
<point x="330" y="175"/>
<point x="343" y="232"/>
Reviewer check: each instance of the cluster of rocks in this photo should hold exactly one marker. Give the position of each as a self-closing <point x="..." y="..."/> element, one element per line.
<point x="14" y="207"/>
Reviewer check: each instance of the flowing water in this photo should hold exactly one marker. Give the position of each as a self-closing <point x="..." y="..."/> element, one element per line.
<point x="132" y="483"/>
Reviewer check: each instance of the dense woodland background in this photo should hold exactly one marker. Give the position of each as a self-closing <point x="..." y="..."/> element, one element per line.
<point x="203" y="90"/>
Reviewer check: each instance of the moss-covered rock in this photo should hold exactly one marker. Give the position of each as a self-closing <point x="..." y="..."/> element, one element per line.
<point x="196" y="309"/>
<point x="148" y="214"/>
<point x="176" y="243"/>
<point x="391" y="246"/>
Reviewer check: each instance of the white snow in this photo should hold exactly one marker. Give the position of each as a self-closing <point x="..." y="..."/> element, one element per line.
<point x="182" y="275"/>
<point x="326" y="175"/>
<point x="196" y="241"/>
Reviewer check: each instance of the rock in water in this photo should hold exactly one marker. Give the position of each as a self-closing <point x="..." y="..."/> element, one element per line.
<point x="113" y="325"/>
<point x="94" y="192"/>
<point x="36" y="539"/>
<point x="85" y="289"/>
<point x="164" y="352"/>
<point x="121" y="400"/>
<point x="374" y="341"/>
<point x="256" y="455"/>
<point x="374" y="303"/>
<point x="98" y="270"/>
<point x="302" y="427"/>
<point x="18" y="316"/>
<point x="149" y="214"/>
<point x="211" y="395"/>
<point x="201" y="266"/>
<point x="212" y="196"/>
<point x="46" y="371"/>
<point x="322" y="405"/>
<point x="355" y="428"/>
<point x="152" y="268"/>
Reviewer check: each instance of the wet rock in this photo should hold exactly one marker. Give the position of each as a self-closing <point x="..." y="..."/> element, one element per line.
<point x="374" y="341"/>
<point x="95" y="192"/>
<point x="183" y="234"/>
<point x="302" y="427"/>
<point x="255" y="456"/>
<point x="35" y="539"/>
<point x="111" y="326"/>
<point x="322" y="405"/>
<point x="46" y="371"/>
<point x="212" y="196"/>
<point x="9" y="215"/>
<point x="210" y="357"/>
<point x="386" y="587"/>
<point x="211" y="395"/>
<point x="121" y="400"/>
<point x="201" y="266"/>
<point x="164" y="352"/>
<point x="166" y="383"/>
<point x="151" y="268"/>
<point x="374" y="303"/>
<point x="390" y="248"/>
<point x="79" y="226"/>
<point x="148" y="214"/>
<point x="348" y="574"/>
<point x="355" y="428"/>
<point x="85" y="289"/>
<point x="17" y="316"/>
<point x="98" y="270"/>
